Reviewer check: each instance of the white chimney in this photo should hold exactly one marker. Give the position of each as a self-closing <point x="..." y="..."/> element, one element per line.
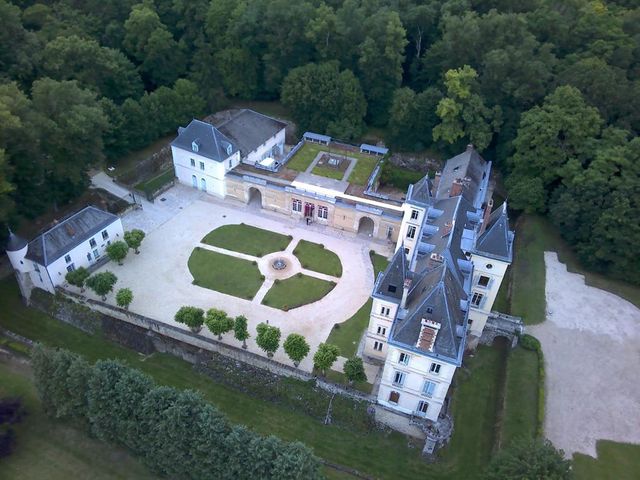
<point x="405" y="292"/>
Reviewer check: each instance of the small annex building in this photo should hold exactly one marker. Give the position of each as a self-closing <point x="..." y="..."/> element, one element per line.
<point x="80" y="240"/>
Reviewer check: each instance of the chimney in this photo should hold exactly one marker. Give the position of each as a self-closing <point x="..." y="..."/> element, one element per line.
<point x="485" y="218"/>
<point x="470" y="147"/>
<point x="428" y="333"/>
<point x="405" y="292"/>
<point x="436" y="182"/>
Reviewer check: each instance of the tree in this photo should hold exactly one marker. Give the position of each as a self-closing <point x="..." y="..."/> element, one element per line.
<point x="134" y="239"/>
<point x="463" y="114"/>
<point x="529" y="459"/>
<point x="124" y="297"/>
<point x="240" y="330"/>
<point x="323" y="98"/>
<point x="117" y="251"/>
<point x="296" y="347"/>
<point x="192" y="317"/>
<point x="102" y="283"/>
<point x="325" y="356"/>
<point x="78" y="277"/>
<point x="218" y="322"/>
<point x="354" y="370"/>
<point x="412" y="118"/>
<point x="268" y="338"/>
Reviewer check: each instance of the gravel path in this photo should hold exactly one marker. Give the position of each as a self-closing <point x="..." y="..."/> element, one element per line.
<point x="591" y="343"/>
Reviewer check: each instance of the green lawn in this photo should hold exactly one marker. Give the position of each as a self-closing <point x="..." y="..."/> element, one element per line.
<point x="156" y="182"/>
<point x="340" y="378"/>
<point x="379" y="454"/>
<point x="379" y="262"/>
<point x="247" y="239"/>
<point x="327" y="171"/>
<point x="314" y="256"/>
<point x="616" y="461"/>
<point x="224" y="273"/>
<point x="346" y="335"/>
<point x="296" y="291"/>
<point x="55" y="450"/>
<point x="521" y="396"/>
<point x="360" y="175"/>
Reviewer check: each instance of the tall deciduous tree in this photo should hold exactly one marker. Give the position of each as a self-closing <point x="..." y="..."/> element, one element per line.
<point x="529" y="459"/>
<point x="218" y="322"/>
<point x="192" y="317"/>
<point x="296" y="348"/>
<point x="78" y="277"/>
<point x="102" y="283"/>
<point x="117" y="251"/>
<point x="134" y="239"/>
<point x="268" y="338"/>
<point x="240" y="330"/>
<point x="463" y="113"/>
<point x="124" y="297"/>
<point x="325" y="356"/>
<point x="324" y="99"/>
<point x="354" y="370"/>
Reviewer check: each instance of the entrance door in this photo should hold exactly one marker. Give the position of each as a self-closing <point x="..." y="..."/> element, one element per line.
<point x="194" y="181"/>
<point x="203" y="185"/>
<point x="308" y="209"/>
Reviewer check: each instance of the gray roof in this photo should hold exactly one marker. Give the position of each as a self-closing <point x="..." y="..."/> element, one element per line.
<point x="68" y="234"/>
<point x="374" y="149"/>
<point x="391" y="282"/>
<point x="437" y="295"/>
<point x="211" y="143"/>
<point x="15" y="242"/>
<point x="468" y="169"/>
<point x="316" y="136"/>
<point x="497" y="240"/>
<point x="420" y="192"/>
<point x="247" y="130"/>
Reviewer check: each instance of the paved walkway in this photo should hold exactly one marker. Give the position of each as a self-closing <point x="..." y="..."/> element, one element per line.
<point x="352" y="164"/>
<point x="591" y="344"/>
<point x="162" y="283"/>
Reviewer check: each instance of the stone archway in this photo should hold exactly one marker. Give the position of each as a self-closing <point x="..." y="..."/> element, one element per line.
<point x="255" y="198"/>
<point x="366" y="226"/>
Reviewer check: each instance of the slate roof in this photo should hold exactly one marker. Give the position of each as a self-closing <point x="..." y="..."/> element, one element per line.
<point x="394" y="276"/>
<point x="247" y="130"/>
<point x="471" y="170"/>
<point x="68" y="234"/>
<point x="374" y="149"/>
<point x="317" y="137"/>
<point x="438" y="297"/>
<point x="497" y="240"/>
<point x="15" y="242"/>
<point x="211" y="142"/>
<point x="420" y="192"/>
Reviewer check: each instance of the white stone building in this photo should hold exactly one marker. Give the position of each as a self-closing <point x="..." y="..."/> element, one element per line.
<point x="434" y="298"/>
<point x="77" y="241"/>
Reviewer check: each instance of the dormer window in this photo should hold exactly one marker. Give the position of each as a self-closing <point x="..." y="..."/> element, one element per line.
<point x="195" y="145"/>
<point x="229" y="149"/>
<point x="392" y="288"/>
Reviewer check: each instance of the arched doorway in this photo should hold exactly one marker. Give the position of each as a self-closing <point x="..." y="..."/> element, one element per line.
<point x="366" y="226"/>
<point x="255" y="198"/>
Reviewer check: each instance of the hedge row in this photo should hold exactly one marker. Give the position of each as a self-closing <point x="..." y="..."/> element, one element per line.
<point x="176" y="433"/>
<point x="530" y="342"/>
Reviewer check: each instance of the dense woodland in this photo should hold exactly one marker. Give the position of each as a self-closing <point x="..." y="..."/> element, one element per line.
<point x="549" y="89"/>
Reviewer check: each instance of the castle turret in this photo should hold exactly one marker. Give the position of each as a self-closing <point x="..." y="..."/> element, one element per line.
<point x="16" y="251"/>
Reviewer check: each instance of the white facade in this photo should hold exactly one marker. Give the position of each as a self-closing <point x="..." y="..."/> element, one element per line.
<point x="273" y="146"/>
<point x="201" y="172"/>
<point x="412" y="221"/>
<point x="414" y="383"/>
<point x="487" y="278"/>
<point x="383" y="312"/>
<point x="85" y="255"/>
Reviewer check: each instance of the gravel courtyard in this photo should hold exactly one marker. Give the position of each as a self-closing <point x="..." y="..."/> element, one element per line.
<point x="591" y="343"/>
<point x="161" y="281"/>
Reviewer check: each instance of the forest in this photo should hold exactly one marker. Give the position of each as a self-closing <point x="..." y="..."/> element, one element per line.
<point x="547" y="89"/>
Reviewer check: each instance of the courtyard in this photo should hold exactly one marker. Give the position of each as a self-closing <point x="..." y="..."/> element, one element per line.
<point x="234" y="275"/>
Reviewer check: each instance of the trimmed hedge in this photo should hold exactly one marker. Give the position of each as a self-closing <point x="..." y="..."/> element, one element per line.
<point x="529" y="342"/>
<point x="175" y="432"/>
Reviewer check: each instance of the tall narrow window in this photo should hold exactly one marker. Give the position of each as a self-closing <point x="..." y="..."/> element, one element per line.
<point x="435" y="368"/>
<point x="296" y="205"/>
<point x="105" y="234"/>
<point x="323" y="212"/>
<point x="193" y="162"/>
<point x="476" y="300"/>
<point x="429" y="388"/>
<point x="377" y="346"/>
<point x="394" y="397"/>
<point x="382" y="330"/>
<point x="411" y="231"/>
<point x="422" y="407"/>
<point x="201" y="165"/>
<point x="404" y="359"/>
<point x="414" y="214"/>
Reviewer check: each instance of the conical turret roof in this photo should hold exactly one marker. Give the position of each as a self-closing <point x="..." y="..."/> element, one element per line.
<point x="15" y="242"/>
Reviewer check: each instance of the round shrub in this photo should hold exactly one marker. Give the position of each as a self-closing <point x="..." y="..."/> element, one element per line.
<point x="530" y="342"/>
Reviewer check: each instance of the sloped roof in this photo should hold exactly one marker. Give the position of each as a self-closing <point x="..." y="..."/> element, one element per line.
<point x="210" y="141"/>
<point x="247" y="130"/>
<point x="15" y="242"/>
<point x="420" y="192"/>
<point x="468" y="168"/>
<point x="497" y="240"/>
<point x="392" y="281"/>
<point x="439" y="298"/>
<point x="317" y="137"/>
<point x="69" y="233"/>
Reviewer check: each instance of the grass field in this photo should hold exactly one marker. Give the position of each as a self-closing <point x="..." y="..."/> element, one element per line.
<point x="55" y="450"/>
<point x="327" y="171"/>
<point x="224" y="273"/>
<point x="246" y="239"/>
<point x="314" y="256"/>
<point x="521" y="396"/>
<point x="340" y="378"/>
<point x="379" y="454"/>
<point x="303" y="157"/>
<point x="379" y="263"/>
<point x="346" y="335"/>
<point x="296" y="291"/>
<point x="156" y="182"/>
<point x="616" y="461"/>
